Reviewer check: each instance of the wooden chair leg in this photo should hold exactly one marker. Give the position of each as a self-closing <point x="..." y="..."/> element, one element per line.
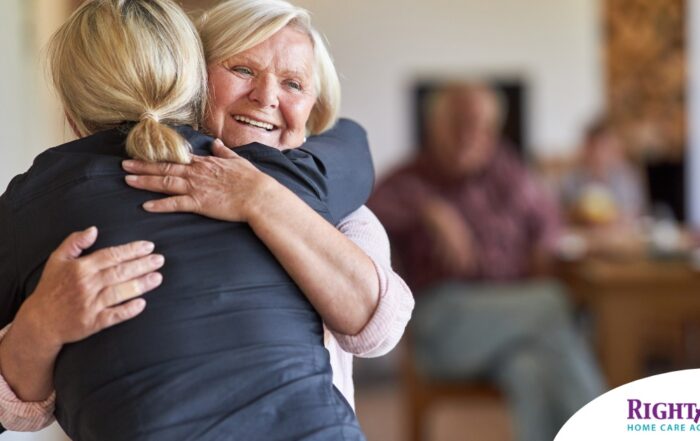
<point x="416" y="424"/>
<point x="422" y="392"/>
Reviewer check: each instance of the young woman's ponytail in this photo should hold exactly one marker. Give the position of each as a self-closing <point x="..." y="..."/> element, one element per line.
<point x="117" y="62"/>
<point x="149" y="140"/>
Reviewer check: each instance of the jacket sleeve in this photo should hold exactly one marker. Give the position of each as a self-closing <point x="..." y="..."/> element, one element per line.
<point x="10" y="285"/>
<point x="14" y="414"/>
<point x="344" y="162"/>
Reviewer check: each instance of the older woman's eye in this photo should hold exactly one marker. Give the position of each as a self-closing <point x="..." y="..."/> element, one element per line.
<point x="295" y="85"/>
<point x="242" y="70"/>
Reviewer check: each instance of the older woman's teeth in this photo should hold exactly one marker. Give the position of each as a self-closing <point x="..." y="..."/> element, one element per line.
<point x="252" y="122"/>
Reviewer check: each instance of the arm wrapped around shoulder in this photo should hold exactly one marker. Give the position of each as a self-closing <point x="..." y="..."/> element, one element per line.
<point x="344" y="159"/>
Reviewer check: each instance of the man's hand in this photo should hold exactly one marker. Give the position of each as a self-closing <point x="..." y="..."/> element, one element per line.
<point x="453" y="241"/>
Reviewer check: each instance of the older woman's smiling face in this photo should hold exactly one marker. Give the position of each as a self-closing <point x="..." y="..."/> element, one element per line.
<point x="264" y="94"/>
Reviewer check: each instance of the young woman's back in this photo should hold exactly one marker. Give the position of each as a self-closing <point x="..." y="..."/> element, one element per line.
<point x="227" y="348"/>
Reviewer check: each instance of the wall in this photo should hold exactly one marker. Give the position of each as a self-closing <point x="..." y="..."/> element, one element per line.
<point x="30" y="116"/>
<point x="11" y="88"/>
<point x="381" y="46"/>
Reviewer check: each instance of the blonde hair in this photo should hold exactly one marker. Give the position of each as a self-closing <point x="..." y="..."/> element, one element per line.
<point x="117" y="61"/>
<point x="235" y="26"/>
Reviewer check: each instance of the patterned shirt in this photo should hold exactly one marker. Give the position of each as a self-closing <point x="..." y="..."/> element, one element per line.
<point x="508" y="213"/>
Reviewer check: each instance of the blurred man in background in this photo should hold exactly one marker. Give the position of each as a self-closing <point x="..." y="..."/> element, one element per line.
<point x="472" y="229"/>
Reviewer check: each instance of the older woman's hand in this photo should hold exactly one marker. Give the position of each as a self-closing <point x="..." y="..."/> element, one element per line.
<point x="337" y="277"/>
<point x="224" y="186"/>
<point x="79" y="296"/>
<point x="75" y="298"/>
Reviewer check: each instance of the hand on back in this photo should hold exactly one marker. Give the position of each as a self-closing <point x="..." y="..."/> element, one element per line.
<point x="224" y="186"/>
<point x="80" y="296"/>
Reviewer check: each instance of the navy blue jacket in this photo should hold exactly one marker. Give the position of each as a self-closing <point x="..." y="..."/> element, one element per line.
<point x="228" y="347"/>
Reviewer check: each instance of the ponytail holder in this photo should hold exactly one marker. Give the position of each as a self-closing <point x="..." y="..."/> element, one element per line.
<point x="149" y="115"/>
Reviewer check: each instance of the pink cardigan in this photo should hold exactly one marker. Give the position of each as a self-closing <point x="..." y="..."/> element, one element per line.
<point x="379" y="336"/>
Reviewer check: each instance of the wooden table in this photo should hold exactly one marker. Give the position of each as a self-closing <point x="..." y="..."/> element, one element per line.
<point x="640" y="308"/>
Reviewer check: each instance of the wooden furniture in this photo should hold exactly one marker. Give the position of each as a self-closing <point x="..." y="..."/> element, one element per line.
<point x="422" y="393"/>
<point x="641" y="308"/>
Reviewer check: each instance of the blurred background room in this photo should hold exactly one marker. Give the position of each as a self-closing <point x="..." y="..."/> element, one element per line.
<point x="595" y="104"/>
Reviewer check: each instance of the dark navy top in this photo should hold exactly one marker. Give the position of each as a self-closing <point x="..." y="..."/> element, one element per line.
<point x="228" y="348"/>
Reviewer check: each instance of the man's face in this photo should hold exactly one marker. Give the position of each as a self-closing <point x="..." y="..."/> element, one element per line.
<point x="464" y="130"/>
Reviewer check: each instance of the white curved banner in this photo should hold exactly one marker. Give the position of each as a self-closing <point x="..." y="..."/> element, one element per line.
<point x="662" y="407"/>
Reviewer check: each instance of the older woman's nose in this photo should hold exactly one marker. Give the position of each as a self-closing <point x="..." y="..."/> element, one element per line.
<point x="265" y="92"/>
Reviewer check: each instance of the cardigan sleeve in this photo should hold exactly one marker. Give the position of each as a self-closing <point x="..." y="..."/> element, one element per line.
<point x="393" y="311"/>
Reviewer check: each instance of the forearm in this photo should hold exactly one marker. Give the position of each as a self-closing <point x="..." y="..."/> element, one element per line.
<point x="337" y="277"/>
<point x="389" y="320"/>
<point x="387" y="325"/>
<point x="19" y="415"/>
<point x="65" y="308"/>
<point x="27" y="362"/>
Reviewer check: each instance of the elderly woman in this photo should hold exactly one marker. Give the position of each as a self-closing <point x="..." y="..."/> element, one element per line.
<point x="268" y="103"/>
<point x="250" y="47"/>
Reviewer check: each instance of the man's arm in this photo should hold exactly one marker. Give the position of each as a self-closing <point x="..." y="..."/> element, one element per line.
<point x="399" y="201"/>
<point x="545" y="224"/>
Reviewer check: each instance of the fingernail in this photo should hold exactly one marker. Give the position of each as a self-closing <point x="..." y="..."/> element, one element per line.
<point x="148" y="205"/>
<point x="131" y="178"/>
<point x="157" y="259"/>
<point x="91" y="230"/>
<point x="155" y="278"/>
<point x="148" y="246"/>
<point x="128" y="163"/>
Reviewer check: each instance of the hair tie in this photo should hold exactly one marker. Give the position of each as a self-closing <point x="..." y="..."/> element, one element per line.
<point x="149" y="115"/>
